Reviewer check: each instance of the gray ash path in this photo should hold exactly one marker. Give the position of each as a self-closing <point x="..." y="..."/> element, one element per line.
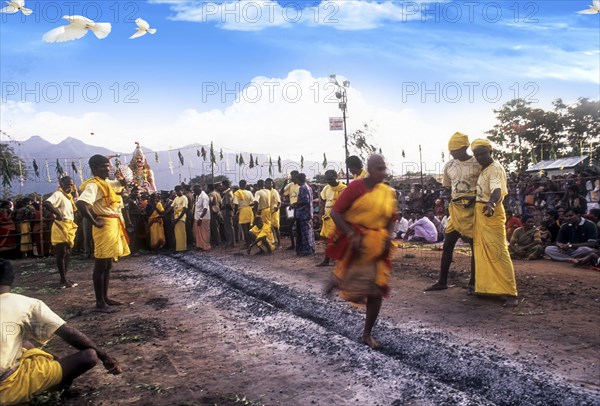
<point x="412" y="366"/>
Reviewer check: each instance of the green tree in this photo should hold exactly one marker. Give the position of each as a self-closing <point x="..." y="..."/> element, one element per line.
<point x="580" y="123"/>
<point x="9" y="166"/>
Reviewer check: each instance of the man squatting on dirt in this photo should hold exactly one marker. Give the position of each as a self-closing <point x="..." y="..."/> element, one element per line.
<point x="25" y="370"/>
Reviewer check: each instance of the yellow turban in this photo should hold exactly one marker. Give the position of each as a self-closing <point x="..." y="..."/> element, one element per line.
<point x="458" y="141"/>
<point x="481" y="143"/>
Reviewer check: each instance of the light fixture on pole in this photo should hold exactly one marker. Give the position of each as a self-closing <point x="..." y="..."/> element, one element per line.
<point x="341" y="94"/>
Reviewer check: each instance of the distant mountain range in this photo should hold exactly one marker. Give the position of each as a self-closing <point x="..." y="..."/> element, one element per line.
<point x="168" y="171"/>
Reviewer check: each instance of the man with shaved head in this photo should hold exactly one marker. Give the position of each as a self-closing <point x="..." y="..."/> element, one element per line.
<point x="364" y="216"/>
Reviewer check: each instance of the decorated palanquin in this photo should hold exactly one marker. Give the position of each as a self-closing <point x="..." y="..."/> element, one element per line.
<point x="143" y="177"/>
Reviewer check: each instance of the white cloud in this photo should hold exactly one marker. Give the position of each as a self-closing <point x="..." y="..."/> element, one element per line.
<point x="289" y="118"/>
<point x="255" y="15"/>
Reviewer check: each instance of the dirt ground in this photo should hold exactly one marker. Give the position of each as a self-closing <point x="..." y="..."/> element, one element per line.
<point x="228" y="329"/>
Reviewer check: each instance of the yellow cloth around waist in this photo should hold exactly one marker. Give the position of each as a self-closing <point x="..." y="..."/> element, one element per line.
<point x="366" y="271"/>
<point x="275" y="222"/>
<point x="37" y="372"/>
<point x="265" y="214"/>
<point x="246" y="215"/>
<point x="110" y="240"/>
<point x="63" y="232"/>
<point x="328" y="227"/>
<point x="461" y="219"/>
<point x="494" y="271"/>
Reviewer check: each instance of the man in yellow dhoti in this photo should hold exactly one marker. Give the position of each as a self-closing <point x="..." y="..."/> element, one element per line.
<point x="62" y="205"/>
<point x="261" y="236"/>
<point x="242" y="203"/>
<point x="364" y="217"/>
<point x="275" y="200"/>
<point x="26" y="371"/>
<point x="460" y="178"/>
<point x="262" y="197"/>
<point x="99" y="203"/>
<point x="329" y="196"/>
<point x="180" y="207"/>
<point x="494" y="271"/>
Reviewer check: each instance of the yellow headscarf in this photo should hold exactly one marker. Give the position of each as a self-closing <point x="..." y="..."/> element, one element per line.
<point x="458" y="141"/>
<point x="481" y="143"/>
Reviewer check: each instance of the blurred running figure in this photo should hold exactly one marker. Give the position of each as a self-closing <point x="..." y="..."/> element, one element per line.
<point x="364" y="215"/>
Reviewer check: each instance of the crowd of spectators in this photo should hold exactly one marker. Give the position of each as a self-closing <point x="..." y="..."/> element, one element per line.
<point x="423" y="213"/>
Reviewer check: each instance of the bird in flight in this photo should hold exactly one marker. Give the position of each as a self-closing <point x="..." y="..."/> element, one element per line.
<point x="78" y="27"/>
<point x="594" y="8"/>
<point x="142" y="29"/>
<point x="15" y="6"/>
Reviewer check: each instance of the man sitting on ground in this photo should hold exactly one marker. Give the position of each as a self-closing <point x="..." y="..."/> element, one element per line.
<point x="576" y="238"/>
<point x="423" y="230"/>
<point x="26" y="371"/>
<point x="262" y="236"/>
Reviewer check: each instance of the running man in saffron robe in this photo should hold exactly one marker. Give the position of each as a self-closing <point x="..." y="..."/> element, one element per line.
<point x="99" y="203"/>
<point x="62" y="205"/>
<point x="494" y="271"/>
<point x="364" y="216"/>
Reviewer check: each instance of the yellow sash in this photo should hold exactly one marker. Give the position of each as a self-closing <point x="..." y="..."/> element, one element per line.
<point x="110" y="197"/>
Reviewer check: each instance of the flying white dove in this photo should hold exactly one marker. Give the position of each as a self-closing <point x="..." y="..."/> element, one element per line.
<point x="142" y="29"/>
<point x="594" y="8"/>
<point x="77" y="29"/>
<point x="14" y="6"/>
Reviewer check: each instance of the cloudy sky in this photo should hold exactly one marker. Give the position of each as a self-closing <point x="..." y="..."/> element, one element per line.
<point x="253" y="75"/>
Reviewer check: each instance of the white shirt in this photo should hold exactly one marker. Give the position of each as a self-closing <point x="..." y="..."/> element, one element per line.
<point x="23" y="318"/>
<point x="62" y="204"/>
<point x="202" y="202"/>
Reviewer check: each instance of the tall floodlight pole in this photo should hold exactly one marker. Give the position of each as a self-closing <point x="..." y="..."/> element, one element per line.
<point x="341" y="94"/>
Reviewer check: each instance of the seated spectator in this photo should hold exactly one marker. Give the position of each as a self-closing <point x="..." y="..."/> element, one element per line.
<point x="26" y="371"/>
<point x="561" y="214"/>
<point x="512" y="223"/>
<point x="400" y="226"/>
<point x="526" y="241"/>
<point x="437" y="224"/>
<point x="423" y="230"/>
<point x="576" y="238"/>
<point x="445" y="219"/>
<point x="545" y="234"/>
<point x="551" y="219"/>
